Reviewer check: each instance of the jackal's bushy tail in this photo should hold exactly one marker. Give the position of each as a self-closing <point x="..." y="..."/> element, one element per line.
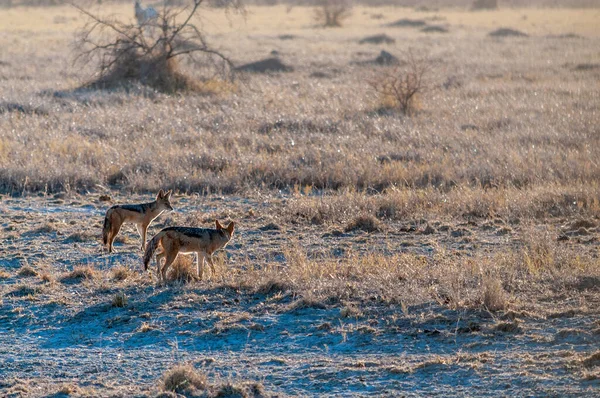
<point x="106" y="228"/>
<point x="151" y="248"/>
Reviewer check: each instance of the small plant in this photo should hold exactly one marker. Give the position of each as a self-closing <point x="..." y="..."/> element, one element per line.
<point x="121" y="273"/>
<point x="494" y="295"/>
<point x="364" y="222"/>
<point x="401" y="87"/>
<point x="119" y="300"/>
<point x="183" y="270"/>
<point x="331" y="13"/>
<point x="184" y="378"/>
<point x="81" y="272"/>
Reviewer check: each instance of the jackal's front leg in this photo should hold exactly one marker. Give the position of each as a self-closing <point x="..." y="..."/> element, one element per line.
<point x="209" y="260"/>
<point x="200" y="264"/>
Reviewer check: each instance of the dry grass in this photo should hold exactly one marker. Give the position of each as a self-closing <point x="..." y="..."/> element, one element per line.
<point x="183" y="269"/>
<point x="27" y="271"/>
<point x="121" y="273"/>
<point x="82" y="272"/>
<point x="494" y="296"/>
<point x="482" y="208"/>
<point x="120" y="300"/>
<point x="184" y="379"/>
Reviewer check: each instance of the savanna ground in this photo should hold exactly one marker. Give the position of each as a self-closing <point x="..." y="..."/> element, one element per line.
<point x="452" y="252"/>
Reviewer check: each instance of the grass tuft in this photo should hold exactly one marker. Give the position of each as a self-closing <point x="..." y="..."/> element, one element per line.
<point x="184" y="379"/>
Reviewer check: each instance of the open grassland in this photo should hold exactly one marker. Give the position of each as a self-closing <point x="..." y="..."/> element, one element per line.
<point x="452" y="252"/>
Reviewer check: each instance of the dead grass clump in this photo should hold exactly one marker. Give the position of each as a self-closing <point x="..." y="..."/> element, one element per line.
<point x="44" y="229"/>
<point x="494" y="295"/>
<point x="84" y="272"/>
<point x="146" y="327"/>
<point x="508" y="327"/>
<point x="307" y="301"/>
<point x="592" y="361"/>
<point x="119" y="300"/>
<point x="184" y="379"/>
<point x="350" y="311"/>
<point x="247" y="390"/>
<point x="485" y="5"/>
<point x="272" y="286"/>
<point x="331" y="13"/>
<point x="46" y="277"/>
<point x="27" y="271"/>
<point x="121" y="273"/>
<point x="78" y="237"/>
<point x="183" y="270"/>
<point x="4" y="274"/>
<point x="8" y="107"/>
<point x="68" y="389"/>
<point x="26" y="290"/>
<point x="364" y="222"/>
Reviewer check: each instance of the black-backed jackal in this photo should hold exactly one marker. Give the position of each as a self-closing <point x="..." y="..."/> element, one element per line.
<point x="140" y="214"/>
<point x="175" y="240"/>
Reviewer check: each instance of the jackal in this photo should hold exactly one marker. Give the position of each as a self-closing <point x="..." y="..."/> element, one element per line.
<point x="175" y="240"/>
<point x="141" y="214"/>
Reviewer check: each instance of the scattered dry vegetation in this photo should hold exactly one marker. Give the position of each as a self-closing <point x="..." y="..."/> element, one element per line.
<point x="150" y="52"/>
<point x="465" y="216"/>
<point x="332" y="13"/>
<point x="402" y="88"/>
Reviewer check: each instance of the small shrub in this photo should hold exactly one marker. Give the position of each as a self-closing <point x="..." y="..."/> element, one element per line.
<point x="364" y="222"/>
<point x="81" y="272"/>
<point x="401" y="87"/>
<point x="182" y="379"/>
<point x="331" y="13"/>
<point x="494" y="296"/>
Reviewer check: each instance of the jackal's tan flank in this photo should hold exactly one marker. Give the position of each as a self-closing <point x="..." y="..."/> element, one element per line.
<point x="140" y="214"/>
<point x="174" y="240"/>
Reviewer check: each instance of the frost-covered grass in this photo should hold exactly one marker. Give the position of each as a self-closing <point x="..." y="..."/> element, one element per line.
<point x="372" y="250"/>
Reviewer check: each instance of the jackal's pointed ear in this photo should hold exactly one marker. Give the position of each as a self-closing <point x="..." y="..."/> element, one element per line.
<point x="168" y="194"/>
<point x="230" y="228"/>
<point x="160" y="195"/>
<point x="218" y="224"/>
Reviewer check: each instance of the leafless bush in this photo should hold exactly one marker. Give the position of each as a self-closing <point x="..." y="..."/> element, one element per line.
<point x="401" y="87"/>
<point x="331" y="13"/>
<point x="150" y="52"/>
